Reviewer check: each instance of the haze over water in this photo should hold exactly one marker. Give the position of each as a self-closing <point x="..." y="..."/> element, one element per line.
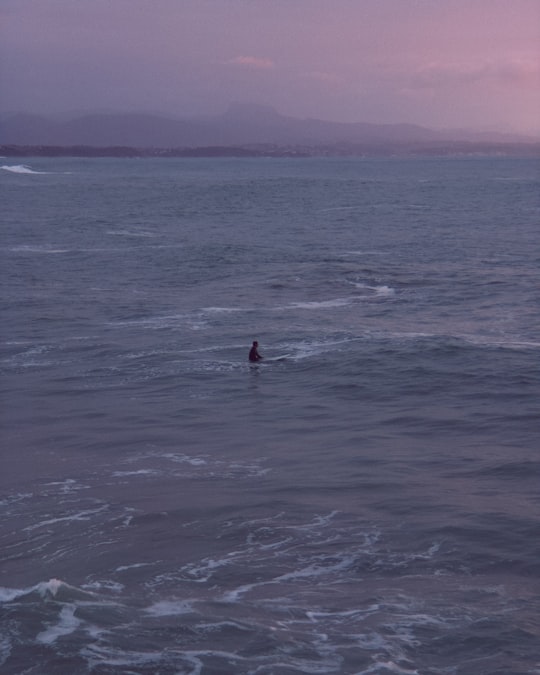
<point x="365" y="500"/>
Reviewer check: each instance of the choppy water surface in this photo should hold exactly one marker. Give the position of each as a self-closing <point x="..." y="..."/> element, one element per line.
<point x="367" y="504"/>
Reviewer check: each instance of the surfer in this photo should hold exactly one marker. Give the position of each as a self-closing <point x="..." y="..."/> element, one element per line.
<point x="254" y="355"/>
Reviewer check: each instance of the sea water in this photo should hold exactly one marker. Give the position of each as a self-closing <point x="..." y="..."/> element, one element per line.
<point x="368" y="504"/>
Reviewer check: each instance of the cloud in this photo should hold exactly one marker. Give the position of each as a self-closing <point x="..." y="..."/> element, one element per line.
<point x="522" y="72"/>
<point x="251" y="62"/>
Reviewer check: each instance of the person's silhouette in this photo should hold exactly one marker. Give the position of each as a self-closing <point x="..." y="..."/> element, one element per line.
<point x="254" y="355"/>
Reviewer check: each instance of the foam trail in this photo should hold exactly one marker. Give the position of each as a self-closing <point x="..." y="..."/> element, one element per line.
<point x="170" y="608"/>
<point x="44" y="588"/>
<point x="19" y="168"/>
<point x="68" y="623"/>
<point x="53" y="589"/>
<point x="321" y="304"/>
<point x="389" y="666"/>
<point x="9" y="594"/>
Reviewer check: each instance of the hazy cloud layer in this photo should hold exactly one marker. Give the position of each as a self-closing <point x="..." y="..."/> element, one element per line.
<point x="521" y="73"/>
<point x="441" y="63"/>
<point x="251" y="62"/>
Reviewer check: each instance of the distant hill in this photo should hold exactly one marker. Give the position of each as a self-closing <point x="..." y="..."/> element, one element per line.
<point x="240" y="125"/>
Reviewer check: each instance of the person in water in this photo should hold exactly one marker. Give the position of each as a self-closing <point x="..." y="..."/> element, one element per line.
<point x="254" y="355"/>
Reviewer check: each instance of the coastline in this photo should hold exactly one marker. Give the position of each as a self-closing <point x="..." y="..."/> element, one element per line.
<point x="449" y="149"/>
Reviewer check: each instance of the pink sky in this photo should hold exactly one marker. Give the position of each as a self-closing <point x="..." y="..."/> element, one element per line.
<point x="438" y="63"/>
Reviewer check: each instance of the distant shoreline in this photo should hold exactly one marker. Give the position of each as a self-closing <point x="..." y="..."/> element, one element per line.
<point x="448" y="149"/>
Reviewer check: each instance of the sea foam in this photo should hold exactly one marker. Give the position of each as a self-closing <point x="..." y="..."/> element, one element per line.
<point x="20" y="168"/>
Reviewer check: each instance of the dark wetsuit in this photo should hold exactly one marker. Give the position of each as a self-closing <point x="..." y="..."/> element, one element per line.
<point x="254" y="355"/>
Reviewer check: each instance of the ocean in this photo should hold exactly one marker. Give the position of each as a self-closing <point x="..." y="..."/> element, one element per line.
<point x="365" y="500"/>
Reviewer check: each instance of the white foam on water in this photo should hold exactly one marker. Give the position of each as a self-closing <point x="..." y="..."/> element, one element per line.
<point x="67" y="623"/>
<point x="30" y="357"/>
<point x="127" y="520"/>
<point x="196" y="663"/>
<point x="10" y="594"/>
<point x="139" y="472"/>
<point x="194" y="658"/>
<point x="20" y="168"/>
<point x="5" y="649"/>
<point x="214" y="366"/>
<point x="320" y="615"/>
<point x="135" y="356"/>
<point x="236" y="594"/>
<point x="197" y="325"/>
<point x="78" y="516"/>
<point x="318" y="304"/>
<point x="223" y="310"/>
<point x="397" y="560"/>
<point x="388" y="666"/>
<point x="132" y="233"/>
<point x="307" y="349"/>
<point x="25" y="248"/>
<point x="204" y="571"/>
<point x="361" y="253"/>
<point x="379" y="291"/>
<point x="151" y="321"/>
<point x="185" y="459"/>
<point x="218" y="625"/>
<point x="268" y="547"/>
<point x="327" y="662"/>
<point x="170" y="608"/>
<point x="98" y="655"/>
<point x="49" y="588"/>
<point x="169" y="321"/>
<point x="54" y="588"/>
<point x="185" y="465"/>
<point x="328" y="209"/>
<point x="501" y="342"/>
<point x="45" y="589"/>
<point x="384" y="290"/>
<point x="107" y="585"/>
<point x="324" y="566"/>
<point x="123" y="568"/>
<point x="13" y="499"/>
<point x="68" y="486"/>
<point x="313" y="566"/>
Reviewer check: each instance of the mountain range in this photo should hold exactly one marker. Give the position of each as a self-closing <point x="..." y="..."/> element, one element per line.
<point x="241" y="125"/>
